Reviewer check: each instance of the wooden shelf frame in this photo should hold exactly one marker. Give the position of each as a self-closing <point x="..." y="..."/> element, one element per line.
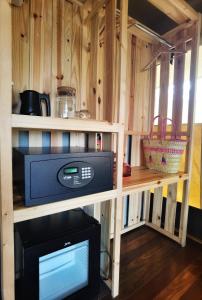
<point x="9" y="215"/>
<point x="143" y="179"/>
<point x="22" y="213"/>
<point x="40" y="123"/>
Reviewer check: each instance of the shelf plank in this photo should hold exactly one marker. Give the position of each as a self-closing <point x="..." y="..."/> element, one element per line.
<point x="142" y="179"/>
<point x="36" y="122"/>
<point x="22" y="213"/>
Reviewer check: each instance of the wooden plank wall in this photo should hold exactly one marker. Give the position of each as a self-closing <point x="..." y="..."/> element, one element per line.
<point x="54" y="46"/>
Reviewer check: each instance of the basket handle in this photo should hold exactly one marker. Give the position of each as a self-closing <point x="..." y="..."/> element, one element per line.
<point x="164" y="124"/>
<point x="152" y="127"/>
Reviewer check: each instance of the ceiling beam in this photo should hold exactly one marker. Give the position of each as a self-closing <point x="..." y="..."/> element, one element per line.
<point x="185" y="9"/>
<point x="177" y="10"/>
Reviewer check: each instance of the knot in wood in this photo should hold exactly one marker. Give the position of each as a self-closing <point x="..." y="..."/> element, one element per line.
<point x="60" y="77"/>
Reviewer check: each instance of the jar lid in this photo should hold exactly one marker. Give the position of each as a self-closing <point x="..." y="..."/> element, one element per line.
<point x="66" y="91"/>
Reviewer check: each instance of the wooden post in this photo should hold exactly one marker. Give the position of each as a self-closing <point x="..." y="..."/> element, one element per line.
<point x="188" y="164"/>
<point x="6" y="194"/>
<point x="120" y="143"/>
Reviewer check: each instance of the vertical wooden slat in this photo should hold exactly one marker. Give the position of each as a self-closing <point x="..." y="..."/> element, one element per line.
<point x="171" y="204"/>
<point x="178" y="85"/>
<point x="109" y="61"/>
<point x="134" y="212"/>
<point x="68" y="39"/>
<point x="76" y="64"/>
<point x="164" y="82"/>
<point x="157" y="206"/>
<point x="146" y="95"/>
<point x="60" y="41"/>
<point x="86" y="37"/>
<point x="132" y="83"/>
<point x="6" y="190"/>
<point x="100" y="71"/>
<point x="20" y="49"/>
<point x="47" y="29"/>
<point x="92" y="102"/>
<point x="189" y="152"/>
<point x="35" y="138"/>
<point x="56" y="138"/>
<point x="130" y="64"/>
<point x="36" y="15"/>
<point x="121" y="116"/>
<point x="146" y="211"/>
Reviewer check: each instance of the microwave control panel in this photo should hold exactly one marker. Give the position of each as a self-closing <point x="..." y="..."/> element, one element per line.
<point x="76" y="175"/>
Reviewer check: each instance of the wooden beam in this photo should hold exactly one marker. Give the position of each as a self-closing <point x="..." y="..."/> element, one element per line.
<point x="168" y="9"/>
<point x="177" y="10"/>
<point x="94" y="11"/>
<point x="120" y="142"/>
<point x="109" y="60"/>
<point x="185" y="9"/>
<point x="191" y="109"/>
<point x="6" y="190"/>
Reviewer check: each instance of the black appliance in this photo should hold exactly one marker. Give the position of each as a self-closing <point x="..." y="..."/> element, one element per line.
<point x="57" y="257"/>
<point x="43" y="175"/>
<point x="31" y="103"/>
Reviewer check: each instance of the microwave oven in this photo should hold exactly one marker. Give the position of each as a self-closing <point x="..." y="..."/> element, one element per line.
<point x="44" y="175"/>
<point x="58" y="257"/>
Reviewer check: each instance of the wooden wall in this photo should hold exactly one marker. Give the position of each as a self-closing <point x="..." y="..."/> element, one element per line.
<point x="47" y="37"/>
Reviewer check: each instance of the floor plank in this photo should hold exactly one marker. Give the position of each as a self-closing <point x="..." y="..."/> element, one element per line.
<point x="154" y="267"/>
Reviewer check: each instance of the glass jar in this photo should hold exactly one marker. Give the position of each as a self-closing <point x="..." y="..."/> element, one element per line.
<point x="66" y="102"/>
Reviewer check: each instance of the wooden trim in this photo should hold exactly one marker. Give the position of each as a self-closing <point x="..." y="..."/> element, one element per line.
<point x="6" y="190"/>
<point x="109" y="60"/>
<point x="185" y="9"/>
<point x="168" y="9"/>
<point x="189" y="153"/>
<point x="177" y="29"/>
<point x="178" y="84"/>
<point x="120" y="141"/>
<point x="35" y="122"/>
<point x="171" y="205"/>
<point x="177" y="10"/>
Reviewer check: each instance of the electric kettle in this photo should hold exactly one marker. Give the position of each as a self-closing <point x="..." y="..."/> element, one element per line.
<point x="31" y="103"/>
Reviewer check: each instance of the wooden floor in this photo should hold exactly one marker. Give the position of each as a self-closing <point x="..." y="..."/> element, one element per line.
<point x="154" y="267"/>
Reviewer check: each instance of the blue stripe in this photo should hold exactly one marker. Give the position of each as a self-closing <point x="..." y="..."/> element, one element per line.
<point x="46" y="139"/>
<point x="65" y="139"/>
<point x="24" y="139"/>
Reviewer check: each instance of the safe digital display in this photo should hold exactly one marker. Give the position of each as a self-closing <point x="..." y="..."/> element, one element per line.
<point x="70" y="170"/>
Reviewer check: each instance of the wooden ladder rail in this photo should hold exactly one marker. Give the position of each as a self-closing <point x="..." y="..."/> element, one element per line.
<point x="6" y="193"/>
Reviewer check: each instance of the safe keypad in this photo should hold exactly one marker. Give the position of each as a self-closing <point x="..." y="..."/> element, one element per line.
<point x="86" y="172"/>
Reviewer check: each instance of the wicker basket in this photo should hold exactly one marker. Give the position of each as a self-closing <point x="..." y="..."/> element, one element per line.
<point x="162" y="154"/>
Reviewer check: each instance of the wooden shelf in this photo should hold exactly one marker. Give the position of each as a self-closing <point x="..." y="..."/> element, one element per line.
<point x="22" y="213"/>
<point x="35" y="122"/>
<point x="143" y="179"/>
<point x="136" y="133"/>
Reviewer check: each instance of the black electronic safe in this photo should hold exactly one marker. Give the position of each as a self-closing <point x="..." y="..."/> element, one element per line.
<point x="43" y="175"/>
